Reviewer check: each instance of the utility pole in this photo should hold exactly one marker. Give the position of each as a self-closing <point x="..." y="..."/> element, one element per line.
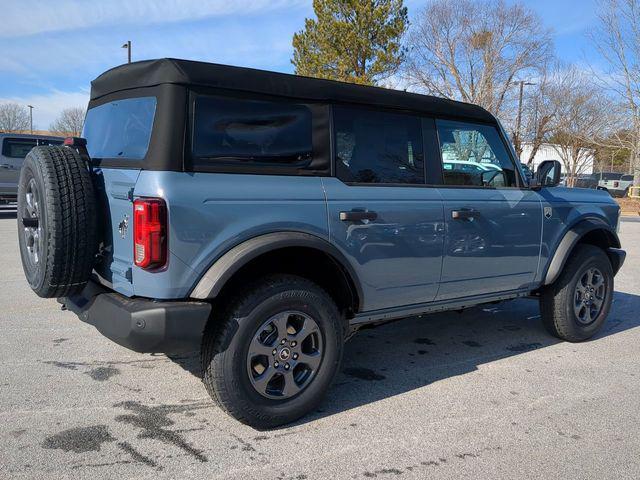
<point x="128" y="47"/>
<point x="31" y="118"/>
<point x="517" y="142"/>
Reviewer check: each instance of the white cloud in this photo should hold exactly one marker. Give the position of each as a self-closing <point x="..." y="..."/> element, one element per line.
<point x="47" y="107"/>
<point x="29" y="17"/>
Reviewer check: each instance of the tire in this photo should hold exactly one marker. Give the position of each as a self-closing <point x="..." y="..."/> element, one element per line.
<point x="56" y="221"/>
<point x="564" y="313"/>
<point x="229" y="369"/>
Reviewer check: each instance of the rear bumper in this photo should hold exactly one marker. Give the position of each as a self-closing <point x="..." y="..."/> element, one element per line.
<point x="141" y="325"/>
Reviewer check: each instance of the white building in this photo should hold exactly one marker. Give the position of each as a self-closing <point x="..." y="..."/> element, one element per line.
<point x="547" y="151"/>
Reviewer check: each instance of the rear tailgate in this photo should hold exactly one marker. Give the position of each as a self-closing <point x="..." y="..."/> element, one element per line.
<point x="115" y="202"/>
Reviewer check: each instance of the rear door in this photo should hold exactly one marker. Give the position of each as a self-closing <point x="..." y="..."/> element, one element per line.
<point x="381" y="214"/>
<point x="493" y="227"/>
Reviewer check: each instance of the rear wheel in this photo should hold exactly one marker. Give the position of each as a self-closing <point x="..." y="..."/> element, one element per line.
<point x="576" y="306"/>
<point x="269" y="359"/>
<point x="56" y="221"/>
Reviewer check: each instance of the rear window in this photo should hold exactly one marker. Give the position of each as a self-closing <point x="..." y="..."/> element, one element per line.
<point x="239" y="131"/>
<point x="120" y="129"/>
<point x="19" y="147"/>
<point x="611" y="176"/>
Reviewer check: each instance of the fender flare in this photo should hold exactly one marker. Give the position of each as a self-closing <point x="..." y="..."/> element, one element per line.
<point x="211" y="283"/>
<point x="569" y="241"/>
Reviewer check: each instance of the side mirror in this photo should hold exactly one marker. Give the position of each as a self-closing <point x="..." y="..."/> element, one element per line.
<point x="547" y="175"/>
<point x="493" y="178"/>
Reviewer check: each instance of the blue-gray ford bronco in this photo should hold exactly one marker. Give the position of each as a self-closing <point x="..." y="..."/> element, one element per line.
<point x="263" y="218"/>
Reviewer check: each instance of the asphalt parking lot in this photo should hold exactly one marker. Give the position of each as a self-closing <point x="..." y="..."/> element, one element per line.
<point x="480" y="394"/>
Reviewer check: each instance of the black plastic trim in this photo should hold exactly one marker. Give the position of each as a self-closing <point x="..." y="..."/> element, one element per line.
<point x="617" y="257"/>
<point x="141" y="325"/>
<point x="212" y="282"/>
<point x="386" y="314"/>
<point x="571" y="239"/>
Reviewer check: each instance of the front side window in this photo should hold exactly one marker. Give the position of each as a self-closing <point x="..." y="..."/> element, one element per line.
<point x="120" y="129"/>
<point x="474" y="155"/>
<point x="378" y="147"/>
<point x="233" y="131"/>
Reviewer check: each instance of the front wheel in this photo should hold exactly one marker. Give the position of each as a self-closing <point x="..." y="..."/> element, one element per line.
<point x="576" y="306"/>
<point x="271" y="356"/>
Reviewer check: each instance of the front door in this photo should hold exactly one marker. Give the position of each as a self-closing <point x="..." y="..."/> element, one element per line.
<point x="493" y="228"/>
<point x="381" y="215"/>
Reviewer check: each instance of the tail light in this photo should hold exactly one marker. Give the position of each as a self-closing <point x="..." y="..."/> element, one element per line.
<point x="150" y="233"/>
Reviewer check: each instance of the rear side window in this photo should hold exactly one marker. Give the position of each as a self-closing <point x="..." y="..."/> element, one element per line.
<point x="474" y="155"/>
<point x="240" y="131"/>
<point x="378" y="147"/>
<point x="627" y="178"/>
<point x="19" y="147"/>
<point x="120" y="129"/>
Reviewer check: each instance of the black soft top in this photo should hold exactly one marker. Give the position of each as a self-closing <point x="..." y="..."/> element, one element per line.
<point x="150" y="73"/>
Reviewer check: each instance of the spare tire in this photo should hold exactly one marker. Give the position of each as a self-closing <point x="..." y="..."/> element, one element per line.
<point x="56" y="221"/>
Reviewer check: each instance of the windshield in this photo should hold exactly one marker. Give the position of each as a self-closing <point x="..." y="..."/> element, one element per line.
<point x="120" y="129"/>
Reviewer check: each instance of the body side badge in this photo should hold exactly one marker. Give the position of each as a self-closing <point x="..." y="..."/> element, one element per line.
<point x="123" y="226"/>
<point x="548" y="212"/>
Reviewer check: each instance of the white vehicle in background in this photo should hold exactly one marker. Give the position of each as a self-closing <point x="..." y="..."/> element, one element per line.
<point x="617" y="187"/>
<point x="475" y="172"/>
<point x="469" y="167"/>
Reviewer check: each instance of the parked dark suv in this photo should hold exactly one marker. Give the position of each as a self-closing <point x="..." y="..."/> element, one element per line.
<point x="15" y="147"/>
<point x="266" y="217"/>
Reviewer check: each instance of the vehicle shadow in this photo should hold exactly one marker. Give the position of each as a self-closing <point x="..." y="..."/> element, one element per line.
<point x="401" y="356"/>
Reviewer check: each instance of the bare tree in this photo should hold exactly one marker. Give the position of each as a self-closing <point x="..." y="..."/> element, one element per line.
<point x="14" y="118"/>
<point x="475" y="51"/>
<point x="541" y="106"/>
<point x="581" y="119"/>
<point x="618" y="41"/>
<point x="70" y="122"/>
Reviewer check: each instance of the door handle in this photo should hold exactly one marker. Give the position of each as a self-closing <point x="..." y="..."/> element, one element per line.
<point x="464" y="214"/>
<point x="6" y="166"/>
<point x="358" y="215"/>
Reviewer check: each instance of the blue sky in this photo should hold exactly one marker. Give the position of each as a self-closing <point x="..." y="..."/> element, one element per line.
<point x="51" y="50"/>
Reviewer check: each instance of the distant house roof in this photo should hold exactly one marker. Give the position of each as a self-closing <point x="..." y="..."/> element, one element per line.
<point x="185" y="72"/>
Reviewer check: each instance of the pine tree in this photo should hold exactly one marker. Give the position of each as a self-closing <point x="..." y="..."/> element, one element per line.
<point x="356" y="41"/>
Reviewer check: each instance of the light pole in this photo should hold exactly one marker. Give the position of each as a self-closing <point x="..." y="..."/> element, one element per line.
<point x="31" y="118"/>
<point x="128" y="47"/>
<point x="516" y="139"/>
